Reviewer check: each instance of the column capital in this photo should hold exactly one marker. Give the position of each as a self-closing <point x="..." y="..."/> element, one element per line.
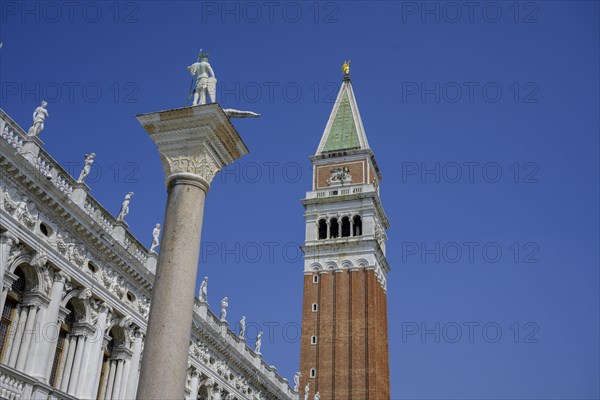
<point x="9" y="238"/>
<point x="194" y="143"/>
<point x="62" y="277"/>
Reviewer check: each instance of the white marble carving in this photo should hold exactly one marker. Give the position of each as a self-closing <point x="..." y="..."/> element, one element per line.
<point x="39" y="116"/>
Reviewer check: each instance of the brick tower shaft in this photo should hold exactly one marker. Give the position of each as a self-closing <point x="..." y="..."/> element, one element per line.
<point x="344" y="345"/>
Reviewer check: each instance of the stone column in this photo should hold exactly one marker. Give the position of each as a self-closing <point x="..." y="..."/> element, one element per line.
<point x="134" y="365"/>
<point x="50" y="330"/>
<point x="111" y="379"/>
<point x="79" y="350"/>
<point x="63" y="362"/>
<point x="118" y="379"/>
<point x="88" y="386"/>
<point x="194" y="143"/>
<point x="194" y="381"/>
<point x="66" y="375"/>
<point x="28" y="335"/>
<point x="38" y="340"/>
<point x="14" y="352"/>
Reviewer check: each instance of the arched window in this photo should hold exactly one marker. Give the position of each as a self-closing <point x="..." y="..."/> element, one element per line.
<point x="322" y="229"/>
<point x="357" y="225"/>
<point x="334" y="228"/>
<point x="345" y="227"/>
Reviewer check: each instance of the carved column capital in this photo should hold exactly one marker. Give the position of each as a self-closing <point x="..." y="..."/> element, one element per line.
<point x="60" y="276"/>
<point x="196" y="165"/>
<point x="194" y="143"/>
<point x="9" y="238"/>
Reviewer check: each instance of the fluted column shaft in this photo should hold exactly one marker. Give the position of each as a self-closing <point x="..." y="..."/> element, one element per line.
<point x="134" y="366"/>
<point x="92" y="362"/>
<point x="76" y="369"/>
<point x="18" y="335"/>
<point x="28" y="335"/>
<point x="66" y="376"/>
<point x="50" y="330"/>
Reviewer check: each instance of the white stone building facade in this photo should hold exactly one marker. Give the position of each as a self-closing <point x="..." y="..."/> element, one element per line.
<point x="75" y="296"/>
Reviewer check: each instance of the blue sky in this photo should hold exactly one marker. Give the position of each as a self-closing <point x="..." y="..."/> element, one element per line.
<point x="484" y="120"/>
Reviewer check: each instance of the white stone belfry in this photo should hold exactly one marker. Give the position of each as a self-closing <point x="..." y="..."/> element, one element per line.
<point x="194" y="143"/>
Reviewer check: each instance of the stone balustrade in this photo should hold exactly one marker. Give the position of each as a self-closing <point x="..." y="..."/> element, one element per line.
<point x="17" y="385"/>
<point x="341" y="191"/>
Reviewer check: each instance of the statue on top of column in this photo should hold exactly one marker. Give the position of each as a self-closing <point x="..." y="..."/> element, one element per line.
<point x="306" y="391"/>
<point x="155" y="235"/>
<point x="39" y="116"/>
<point x="206" y="82"/>
<point x="89" y="160"/>
<point x="124" y="207"/>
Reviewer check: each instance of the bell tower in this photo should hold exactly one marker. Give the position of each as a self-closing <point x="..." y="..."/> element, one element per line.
<point x="344" y="345"/>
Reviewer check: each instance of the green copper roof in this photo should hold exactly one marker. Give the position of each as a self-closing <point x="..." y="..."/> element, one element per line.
<point x="343" y="134"/>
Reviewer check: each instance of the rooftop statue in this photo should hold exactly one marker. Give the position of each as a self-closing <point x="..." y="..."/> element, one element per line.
<point x="124" y="207"/>
<point x="204" y="290"/>
<point x="89" y="160"/>
<point x="155" y="235"/>
<point x="39" y="116"/>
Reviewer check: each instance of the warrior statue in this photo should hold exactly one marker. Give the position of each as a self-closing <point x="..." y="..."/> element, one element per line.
<point x="297" y="381"/>
<point x="39" y="116"/>
<point x="206" y="82"/>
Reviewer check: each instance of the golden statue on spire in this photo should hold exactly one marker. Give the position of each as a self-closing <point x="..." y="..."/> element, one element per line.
<point x="346" y="68"/>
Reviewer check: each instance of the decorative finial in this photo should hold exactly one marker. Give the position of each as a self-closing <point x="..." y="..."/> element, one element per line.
<point x="346" y="68"/>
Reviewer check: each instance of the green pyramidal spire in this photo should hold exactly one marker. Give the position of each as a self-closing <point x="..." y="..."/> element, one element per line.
<point x="344" y="130"/>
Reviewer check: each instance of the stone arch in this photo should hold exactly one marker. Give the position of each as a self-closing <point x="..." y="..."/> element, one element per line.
<point x="362" y="263"/>
<point x="118" y="334"/>
<point x="316" y="267"/>
<point x="331" y="265"/>
<point x="81" y="307"/>
<point x="33" y="275"/>
<point x="347" y="264"/>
